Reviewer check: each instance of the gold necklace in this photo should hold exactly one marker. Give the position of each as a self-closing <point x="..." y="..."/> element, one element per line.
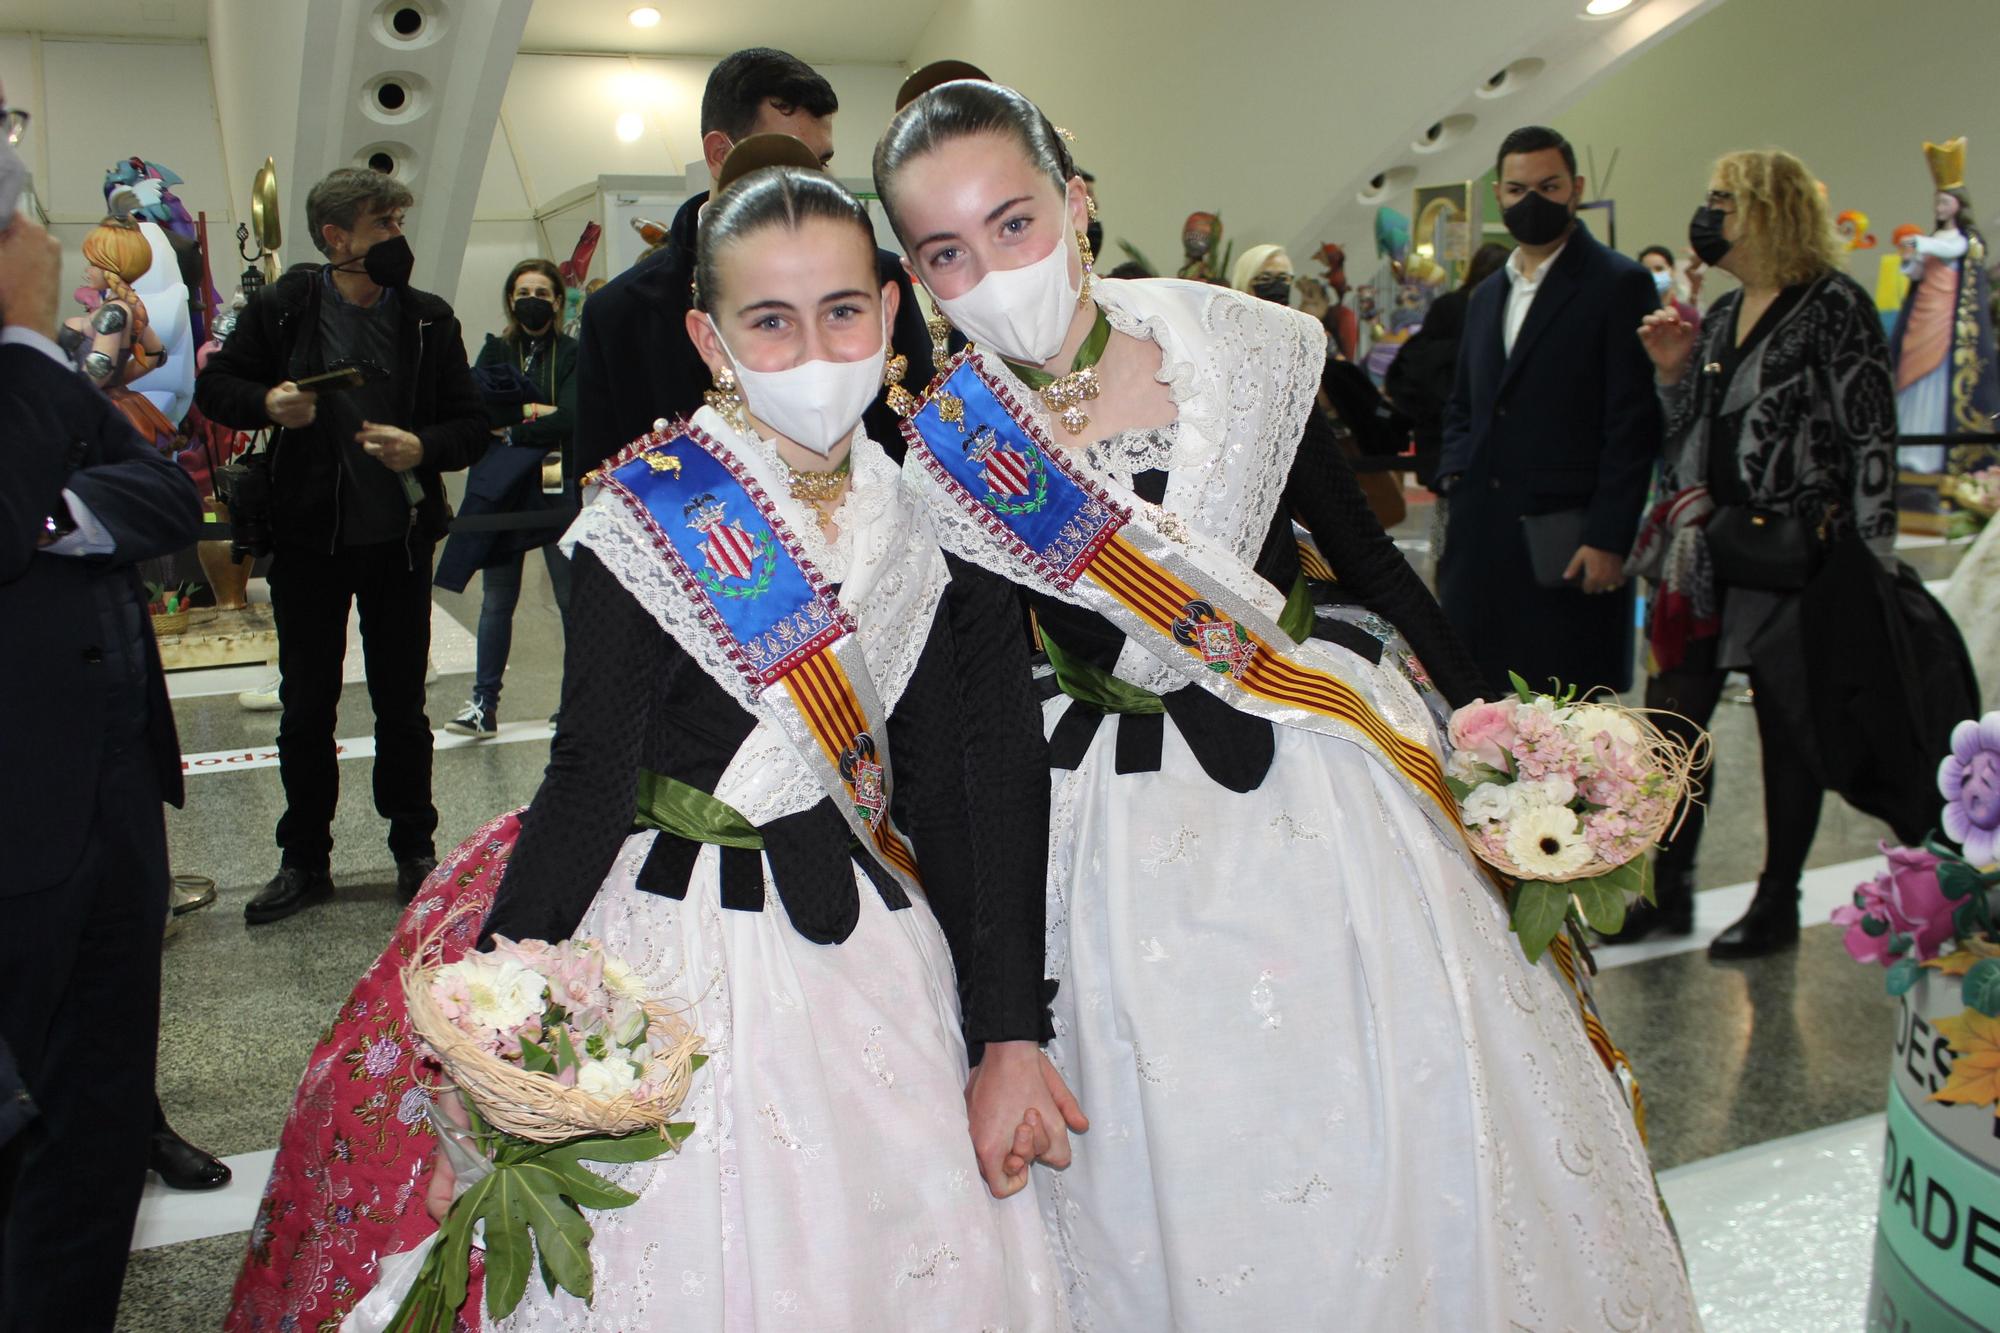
<point x="817" y="487"/>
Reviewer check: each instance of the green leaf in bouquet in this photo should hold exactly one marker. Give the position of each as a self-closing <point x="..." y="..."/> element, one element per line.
<point x="1459" y="790"/>
<point x="1982" y="987"/>
<point x="1957" y="880"/>
<point x="1964" y="921"/>
<point x="1603" y="903"/>
<point x="509" y="1254"/>
<point x="584" y="1187"/>
<point x="643" y="1146"/>
<point x="565" y="1050"/>
<point x="562" y="1236"/>
<point x="1538" y="914"/>
<point x="536" y="1058"/>
<point x="1521" y="690"/>
<point x="696" y="1061"/>
<point x="679" y="1130"/>
<point x="595" y="1046"/>
<point x="1899" y="944"/>
<point x="1901" y="976"/>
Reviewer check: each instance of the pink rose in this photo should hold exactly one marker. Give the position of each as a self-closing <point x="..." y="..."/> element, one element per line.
<point x="1904" y="899"/>
<point x="1486" y="732"/>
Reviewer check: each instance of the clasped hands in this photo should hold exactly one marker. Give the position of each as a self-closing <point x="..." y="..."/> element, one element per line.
<point x="1021" y="1112"/>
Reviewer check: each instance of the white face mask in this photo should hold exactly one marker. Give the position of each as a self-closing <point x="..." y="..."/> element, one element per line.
<point x="1022" y="313"/>
<point x="816" y="405"/>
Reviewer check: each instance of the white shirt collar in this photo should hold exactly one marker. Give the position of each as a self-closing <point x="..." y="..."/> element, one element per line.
<point x="1520" y="279"/>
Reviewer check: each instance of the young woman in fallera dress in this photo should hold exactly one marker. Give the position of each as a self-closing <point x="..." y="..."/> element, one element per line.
<point x="1326" y="1088"/>
<point x="831" y="1181"/>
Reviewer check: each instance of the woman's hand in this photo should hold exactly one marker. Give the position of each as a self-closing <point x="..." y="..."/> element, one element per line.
<point x="1019" y="1109"/>
<point x="1669" y="340"/>
<point x="443" y="1189"/>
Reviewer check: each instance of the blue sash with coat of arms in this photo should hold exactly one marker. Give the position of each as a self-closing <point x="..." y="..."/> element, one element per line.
<point x="779" y="624"/>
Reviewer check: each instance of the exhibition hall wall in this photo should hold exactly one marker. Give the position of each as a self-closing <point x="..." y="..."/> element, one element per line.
<point x="1277" y="125"/>
<point x="1852" y="86"/>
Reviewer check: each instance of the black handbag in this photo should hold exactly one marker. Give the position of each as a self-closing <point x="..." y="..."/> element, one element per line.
<point x="1754" y="547"/>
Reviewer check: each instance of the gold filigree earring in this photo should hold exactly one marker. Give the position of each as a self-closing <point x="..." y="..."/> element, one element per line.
<point x="940" y="330"/>
<point x="901" y="401"/>
<point x="728" y="401"/>
<point x="1089" y="258"/>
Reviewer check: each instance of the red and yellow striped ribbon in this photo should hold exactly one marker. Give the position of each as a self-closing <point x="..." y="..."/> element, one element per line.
<point x="1160" y="599"/>
<point x="1314" y="564"/>
<point x="825" y="698"/>
<point x="1593" y="1028"/>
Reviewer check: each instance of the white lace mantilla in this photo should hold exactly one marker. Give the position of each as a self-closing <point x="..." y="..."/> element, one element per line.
<point x="886" y="561"/>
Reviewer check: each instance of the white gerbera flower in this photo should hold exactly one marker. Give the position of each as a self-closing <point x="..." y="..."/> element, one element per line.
<point x="503" y="993"/>
<point x="1545" y="842"/>
<point x="1489" y="803"/>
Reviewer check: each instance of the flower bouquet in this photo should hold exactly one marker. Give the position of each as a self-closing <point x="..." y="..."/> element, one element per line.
<point x="561" y="1061"/>
<point x="1566" y="796"/>
<point x="1934" y="909"/>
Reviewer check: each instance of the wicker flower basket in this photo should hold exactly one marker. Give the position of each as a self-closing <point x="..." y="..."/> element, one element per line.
<point x="1657" y="751"/>
<point x="535" y="1106"/>
<point x="169" y="623"/>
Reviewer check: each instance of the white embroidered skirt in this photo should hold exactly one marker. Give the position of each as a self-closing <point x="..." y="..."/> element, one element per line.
<point x="830" y="1182"/>
<point x="1326" y="1089"/>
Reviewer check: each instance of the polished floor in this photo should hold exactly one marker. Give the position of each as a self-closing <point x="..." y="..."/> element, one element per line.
<point x="1764" y="1081"/>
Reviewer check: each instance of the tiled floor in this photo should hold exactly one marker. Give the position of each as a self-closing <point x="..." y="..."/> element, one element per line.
<point x="1758" y="1077"/>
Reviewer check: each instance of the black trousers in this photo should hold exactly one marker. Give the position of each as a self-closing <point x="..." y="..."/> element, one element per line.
<point x="310" y="595"/>
<point x="1791" y="796"/>
<point x="80" y="1007"/>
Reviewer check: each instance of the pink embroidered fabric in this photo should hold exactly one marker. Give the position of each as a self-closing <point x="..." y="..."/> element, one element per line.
<point x="355" y="1157"/>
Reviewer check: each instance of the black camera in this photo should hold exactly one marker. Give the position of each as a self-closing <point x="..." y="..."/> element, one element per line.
<point x="245" y="486"/>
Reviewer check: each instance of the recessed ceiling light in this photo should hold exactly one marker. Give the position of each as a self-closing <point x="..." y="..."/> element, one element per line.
<point x="630" y="126"/>
<point x="1601" y="8"/>
<point x="645" y="16"/>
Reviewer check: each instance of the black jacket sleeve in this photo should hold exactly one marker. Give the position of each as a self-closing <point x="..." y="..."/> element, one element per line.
<point x="147" y="504"/>
<point x="457" y="434"/>
<point x="230" y="389"/>
<point x="1633" y="431"/>
<point x="995" y="921"/>
<point x="571" y="833"/>
<point x="1323" y="493"/>
<point x="552" y="434"/>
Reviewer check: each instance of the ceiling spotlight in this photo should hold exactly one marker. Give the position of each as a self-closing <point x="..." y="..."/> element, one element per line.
<point x="1597" y="9"/>
<point x="645" y="16"/>
<point x="630" y="126"/>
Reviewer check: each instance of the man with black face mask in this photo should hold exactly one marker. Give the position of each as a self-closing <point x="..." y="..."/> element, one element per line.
<point x="1550" y="436"/>
<point x="357" y="506"/>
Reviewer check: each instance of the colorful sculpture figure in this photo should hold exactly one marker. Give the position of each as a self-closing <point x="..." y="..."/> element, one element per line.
<point x="1853" y="228"/>
<point x="115" y="343"/>
<point x="1201" y="248"/>
<point x="1340" y="320"/>
<point x="173" y="288"/>
<point x="1943" y="342"/>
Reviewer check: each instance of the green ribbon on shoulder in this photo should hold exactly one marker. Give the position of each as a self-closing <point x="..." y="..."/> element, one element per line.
<point x="1086" y="356"/>
<point x="671" y="806"/>
<point x="1091" y="684"/>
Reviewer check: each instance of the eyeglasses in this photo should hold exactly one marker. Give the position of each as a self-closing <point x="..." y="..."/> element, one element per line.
<point x="13" y="125"/>
<point x="1717" y="198"/>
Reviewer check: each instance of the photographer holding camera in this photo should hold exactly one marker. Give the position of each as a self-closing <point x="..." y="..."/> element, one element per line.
<point x="366" y="380"/>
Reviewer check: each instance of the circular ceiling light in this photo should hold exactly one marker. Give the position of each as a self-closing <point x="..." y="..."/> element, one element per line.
<point x="645" y="16"/>
<point x="630" y="126"/>
<point x="1598" y="9"/>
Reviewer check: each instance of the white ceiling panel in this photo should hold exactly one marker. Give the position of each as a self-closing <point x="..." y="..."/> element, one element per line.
<point x="816" y="30"/>
<point x="106" y="18"/>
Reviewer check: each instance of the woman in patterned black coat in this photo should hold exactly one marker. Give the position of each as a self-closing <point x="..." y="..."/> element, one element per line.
<point x="1783" y="402"/>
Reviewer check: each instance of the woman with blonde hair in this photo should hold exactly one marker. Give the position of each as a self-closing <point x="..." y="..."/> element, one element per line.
<point x="1781" y="429"/>
<point x="115" y="343"/>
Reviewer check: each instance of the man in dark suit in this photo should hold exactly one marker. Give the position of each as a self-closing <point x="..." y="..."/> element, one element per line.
<point x="1550" y="436"/>
<point x="86" y="758"/>
<point x="636" y="364"/>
